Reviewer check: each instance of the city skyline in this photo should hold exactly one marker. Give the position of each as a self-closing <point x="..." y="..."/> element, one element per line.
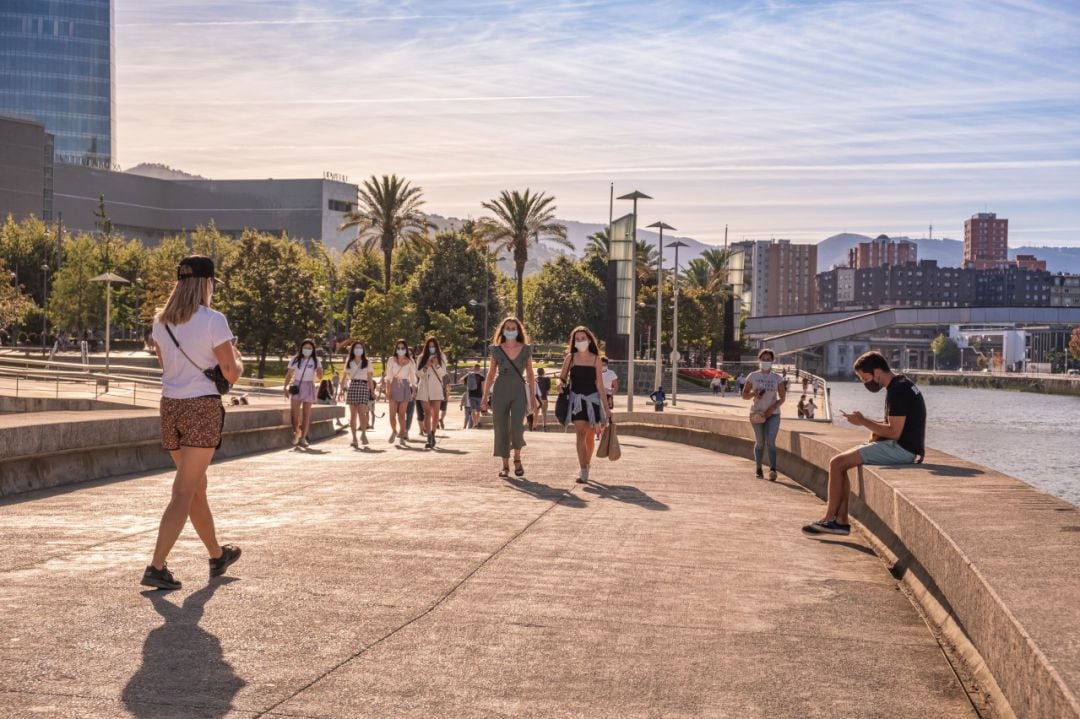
<point x="869" y="117"/>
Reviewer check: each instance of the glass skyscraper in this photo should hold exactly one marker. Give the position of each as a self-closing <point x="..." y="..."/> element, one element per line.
<point x="56" y="67"/>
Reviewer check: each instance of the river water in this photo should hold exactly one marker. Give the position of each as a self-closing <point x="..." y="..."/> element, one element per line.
<point x="1033" y="437"/>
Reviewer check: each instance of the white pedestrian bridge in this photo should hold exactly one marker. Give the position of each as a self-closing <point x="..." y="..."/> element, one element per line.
<point x="792" y="333"/>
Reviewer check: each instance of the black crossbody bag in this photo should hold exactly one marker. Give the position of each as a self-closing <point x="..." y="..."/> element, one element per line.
<point x="214" y="374"/>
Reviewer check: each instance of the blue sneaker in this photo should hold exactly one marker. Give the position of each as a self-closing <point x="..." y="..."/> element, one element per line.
<point x="830" y="526"/>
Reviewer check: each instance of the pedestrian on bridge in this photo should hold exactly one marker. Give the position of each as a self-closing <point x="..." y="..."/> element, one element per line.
<point x="190" y="338"/>
<point x="767" y="390"/>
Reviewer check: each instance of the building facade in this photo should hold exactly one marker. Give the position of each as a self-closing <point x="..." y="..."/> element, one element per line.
<point x="1065" y="291"/>
<point x="56" y="67"/>
<point x="986" y="242"/>
<point x="921" y="285"/>
<point x="780" y="277"/>
<point x="883" y="251"/>
<point x="1029" y="262"/>
<point x="1012" y="287"/>
<point x="26" y="169"/>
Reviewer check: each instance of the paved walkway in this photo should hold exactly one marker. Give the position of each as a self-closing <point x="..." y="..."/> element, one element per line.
<point x="399" y="582"/>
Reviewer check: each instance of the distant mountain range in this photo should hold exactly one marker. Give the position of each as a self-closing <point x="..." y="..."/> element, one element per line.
<point x="948" y="253"/>
<point x="831" y="251"/>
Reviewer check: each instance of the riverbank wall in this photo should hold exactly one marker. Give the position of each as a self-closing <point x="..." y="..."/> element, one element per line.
<point x="993" y="563"/>
<point x="1040" y="384"/>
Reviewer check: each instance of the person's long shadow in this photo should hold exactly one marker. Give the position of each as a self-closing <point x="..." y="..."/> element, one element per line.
<point x="624" y="493"/>
<point x="183" y="664"/>
<point x="546" y="492"/>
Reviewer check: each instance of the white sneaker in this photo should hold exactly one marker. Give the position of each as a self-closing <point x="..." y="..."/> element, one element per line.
<point x="304" y="442"/>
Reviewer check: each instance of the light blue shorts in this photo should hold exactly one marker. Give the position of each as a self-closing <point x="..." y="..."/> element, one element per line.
<point x="885" y="451"/>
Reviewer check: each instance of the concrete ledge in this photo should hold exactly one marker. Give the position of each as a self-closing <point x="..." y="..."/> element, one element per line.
<point x="52" y="449"/>
<point x="52" y="404"/>
<point x="993" y="562"/>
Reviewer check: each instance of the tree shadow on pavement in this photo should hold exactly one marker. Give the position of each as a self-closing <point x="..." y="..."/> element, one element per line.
<point x="625" y="493"/>
<point x="543" y="491"/>
<point x="183" y="665"/>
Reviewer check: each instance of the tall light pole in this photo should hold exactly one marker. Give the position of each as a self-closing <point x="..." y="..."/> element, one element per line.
<point x="675" y="328"/>
<point x="108" y="278"/>
<point x="635" y="196"/>
<point x="484" y="340"/>
<point x="658" y="375"/>
<point x="44" y="306"/>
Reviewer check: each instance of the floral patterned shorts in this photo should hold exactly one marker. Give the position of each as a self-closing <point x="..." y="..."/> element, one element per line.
<point x="195" y="422"/>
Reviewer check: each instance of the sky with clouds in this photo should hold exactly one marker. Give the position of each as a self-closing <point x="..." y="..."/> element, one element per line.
<point x="780" y="119"/>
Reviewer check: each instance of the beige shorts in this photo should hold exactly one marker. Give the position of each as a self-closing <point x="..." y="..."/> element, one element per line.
<point x="195" y="422"/>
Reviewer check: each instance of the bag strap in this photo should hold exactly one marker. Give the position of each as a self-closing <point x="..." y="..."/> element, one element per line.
<point x="177" y="343"/>
<point x="304" y="370"/>
<point x="516" y="370"/>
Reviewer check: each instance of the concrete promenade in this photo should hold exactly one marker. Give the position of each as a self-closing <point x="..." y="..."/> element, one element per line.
<point x="399" y="582"/>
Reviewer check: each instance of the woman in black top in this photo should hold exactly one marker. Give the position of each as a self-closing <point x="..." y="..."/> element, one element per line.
<point x="587" y="395"/>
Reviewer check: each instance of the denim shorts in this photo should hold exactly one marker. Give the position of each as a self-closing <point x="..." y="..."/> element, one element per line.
<point x="885" y="451"/>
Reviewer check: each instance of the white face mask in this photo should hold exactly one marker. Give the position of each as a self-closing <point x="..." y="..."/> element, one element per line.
<point x="431" y="350"/>
<point x="766" y="366"/>
<point x="510" y="335"/>
<point x="306" y="352"/>
<point x="401" y="351"/>
<point x="582" y="346"/>
<point x="358" y="351"/>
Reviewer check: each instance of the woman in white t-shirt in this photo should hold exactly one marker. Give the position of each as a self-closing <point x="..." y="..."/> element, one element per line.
<point x="768" y="391"/>
<point x="304" y="371"/>
<point x="358" y="389"/>
<point x="189" y="337"/>
<point x="399" y="384"/>
<point x="430" y="372"/>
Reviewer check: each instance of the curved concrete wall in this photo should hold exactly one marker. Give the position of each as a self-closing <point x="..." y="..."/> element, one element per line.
<point x="52" y="449"/>
<point x="993" y="562"/>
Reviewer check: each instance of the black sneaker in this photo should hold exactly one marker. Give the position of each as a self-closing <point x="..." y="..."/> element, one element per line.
<point x="830" y="526"/>
<point x="229" y="554"/>
<point x="159" y="578"/>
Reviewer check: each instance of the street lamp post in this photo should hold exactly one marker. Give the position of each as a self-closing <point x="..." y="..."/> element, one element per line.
<point x="108" y="278"/>
<point x="15" y="326"/>
<point x="675" y="328"/>
<point x="635" y="196"/>
<point x="484" y="340"/>
<point x="44" y="306"/>
<point x="658" y="374"/>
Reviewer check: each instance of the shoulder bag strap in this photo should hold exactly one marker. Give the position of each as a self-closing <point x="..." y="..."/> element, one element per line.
<point x="516" y="370"/>
<point x="177" y="343"/>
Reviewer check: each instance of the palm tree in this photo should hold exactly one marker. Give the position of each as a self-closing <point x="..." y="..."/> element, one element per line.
<point x="521" y="218"/>
<point x="599" y="244"/>
<point x="388" y="214"/>
<point x="709" y="271"/>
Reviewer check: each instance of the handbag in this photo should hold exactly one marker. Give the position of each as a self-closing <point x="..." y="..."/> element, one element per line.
<point x="608" y="446"/>
<point x="294" y="388"/>
<point x="562" y="403"/>
<point x="214" y="374"/>
<point x="757" y="418"/>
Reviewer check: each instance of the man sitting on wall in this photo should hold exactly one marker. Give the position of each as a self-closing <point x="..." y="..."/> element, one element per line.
<point x="897" y="440"/>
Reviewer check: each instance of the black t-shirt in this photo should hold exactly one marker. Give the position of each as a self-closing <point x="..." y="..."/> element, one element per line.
<point x="474" y="382"/>
<point x="903" y="399"/>
<point x="544" y="383"/>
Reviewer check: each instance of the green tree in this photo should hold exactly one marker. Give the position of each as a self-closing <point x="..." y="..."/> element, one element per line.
<point x="455" y="331"/>
<point x="271" y="296"/>
<point x="598" y="249"/>
<point x="382" y="318"/>
<point x="946" y="352"/>
<point x="453" y="273"/>
<point x="25" y="246"/>
<point x="562" y="296"/>
<point x="13" y="303"/>
<point x="210" y="241"/>
<point x="158" y="275"/>
<point x="388" y="215"/>
<point x="76" y="303"/>
<point x="521" y="218"/>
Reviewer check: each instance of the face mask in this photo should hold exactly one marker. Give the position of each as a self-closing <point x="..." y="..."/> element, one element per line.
<point x="306" y="352"/>
<point x="431" y="350"/>
<point x="401" y="351"/>
<point x="510" y="335"/>
<point x="582" y="346"/>
<point x="359" y="351"/>
<point x="766" y="366"/>
<point x="872" y="385"/>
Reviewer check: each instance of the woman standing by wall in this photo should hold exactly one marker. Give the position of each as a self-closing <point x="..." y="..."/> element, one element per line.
<point x="306" y="369"/>
<point x="189" y="337"/>
<point x="588" y="394"/>
<point x="768" y="391"/>
<point x="358" y="388"/>
<point x="399" y="384"/>
<point x="431" y="370"/>
<point x="511" y="386"/>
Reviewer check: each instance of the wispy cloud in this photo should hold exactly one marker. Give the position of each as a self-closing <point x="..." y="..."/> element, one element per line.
<point x="739" y="112"/>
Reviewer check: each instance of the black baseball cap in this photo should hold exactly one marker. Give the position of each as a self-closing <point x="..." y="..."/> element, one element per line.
<point x="196" y="266"/>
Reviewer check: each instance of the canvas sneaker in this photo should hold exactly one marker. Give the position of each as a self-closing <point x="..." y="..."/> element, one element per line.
<point x="229" y="554"/>
<point x="827" y="527"/>
<point x="159" y="578"/>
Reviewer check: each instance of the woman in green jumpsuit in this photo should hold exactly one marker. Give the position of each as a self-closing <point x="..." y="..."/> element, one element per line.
<point x="512" y="389"/>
